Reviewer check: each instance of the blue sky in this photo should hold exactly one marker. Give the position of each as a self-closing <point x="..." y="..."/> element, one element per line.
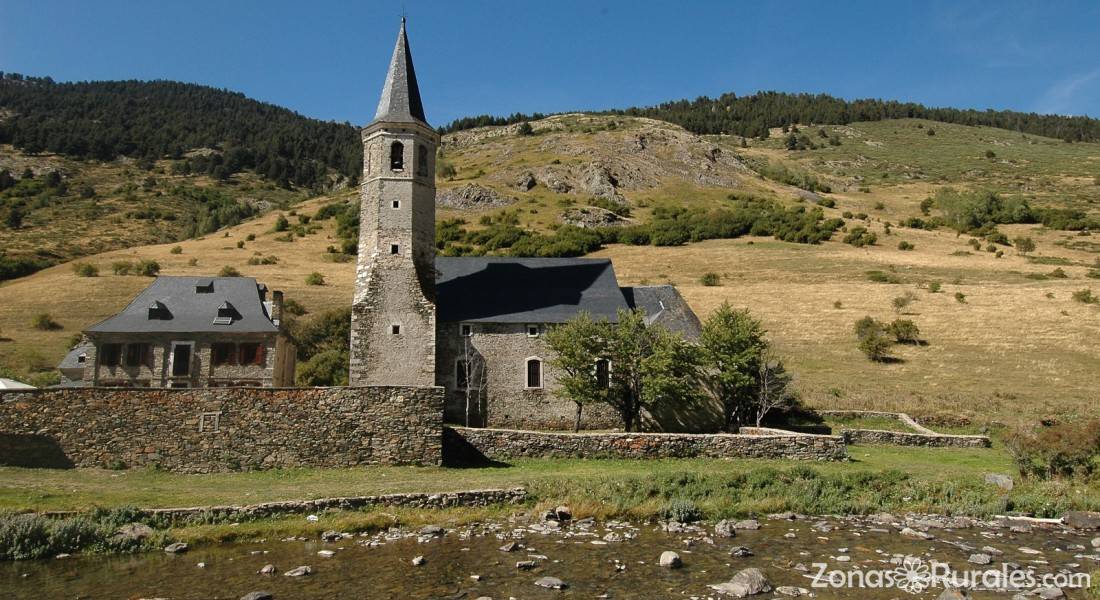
<point x="327" y="59"/>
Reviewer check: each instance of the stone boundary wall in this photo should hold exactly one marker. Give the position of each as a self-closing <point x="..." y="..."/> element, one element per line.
<point x="501" y="444"/>
<point x="920" y="436"/>
<point x="207" y="430"/>
<point x="469" y="498"/>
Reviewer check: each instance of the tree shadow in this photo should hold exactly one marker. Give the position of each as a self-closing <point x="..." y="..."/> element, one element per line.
<point x="32" y="451"/>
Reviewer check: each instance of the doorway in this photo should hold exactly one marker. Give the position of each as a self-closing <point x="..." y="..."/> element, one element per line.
<point x="181" y="359"/>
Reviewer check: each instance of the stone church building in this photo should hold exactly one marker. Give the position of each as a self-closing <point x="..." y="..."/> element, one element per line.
<point x="473" y="325"/>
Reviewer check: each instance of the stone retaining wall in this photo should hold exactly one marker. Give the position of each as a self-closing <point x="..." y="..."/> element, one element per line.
<point x="170" y="516"/>
<point x="221" y="429"/>
<point x="502" y="444"/>
<point x="920" y="436"/>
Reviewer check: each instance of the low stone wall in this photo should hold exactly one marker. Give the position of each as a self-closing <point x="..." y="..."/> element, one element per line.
<point x="220" y="429"/>
<point x="920" y="436"/>
<point x="901" y="438"/>
<point x="170" y="516"/>
<point x="502" y="444"/>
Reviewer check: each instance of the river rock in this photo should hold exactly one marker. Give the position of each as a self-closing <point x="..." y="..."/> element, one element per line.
<point x="670" y="560"/>
<point x="748" y="582"/>
<point x="552" y="583"/>
<point x="563" y="513"/>
<point x="1079" y="519"/>
<point x="991" y="551"/>
<point x="432" y="530"/>
<point x="725" y="528"/>
<point x="509" y="547"/>
<point x="747" y="524"/>
<point x="418" y="561"/>
<point x="301" y="571"/>
<point x="258" y="596"/>
<point x="792" y="591"/>
<point x="133" y="532"/>
<point x="1096" y="542"/>
<point x="326" y="553"/>
<point x="913" y="533"/>
<point x="1051" y="593"/>
<point x="176" y="548"/>
<point x="268" y="569"/>
<point x="526" y="565"/>
<point x="740" y="552"/>
<point x="331" y="536"/>
<point x="980" y="559"/>
<point x="954" y="595"/>
<point x="1000" y="480"/>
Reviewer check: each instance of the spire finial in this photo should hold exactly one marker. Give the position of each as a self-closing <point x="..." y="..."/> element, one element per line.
<point x="400" y="101"/>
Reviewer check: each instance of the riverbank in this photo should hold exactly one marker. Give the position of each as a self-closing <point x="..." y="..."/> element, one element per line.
<point x="877" y="479"/>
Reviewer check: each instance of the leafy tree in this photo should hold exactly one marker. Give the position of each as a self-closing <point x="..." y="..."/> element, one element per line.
<point x="327" y="368"/>
<point x="651" y="367"/>
<point x="578" y="347"/>
<point x="905" y="331"/>
<point x="14" y="219"/>
<point x="732" y="345"/>
<point x="281" y="223"/>
<point x="1024" y="245"/>
<point x="872" y="339"/>
<point x="525" y="129"/>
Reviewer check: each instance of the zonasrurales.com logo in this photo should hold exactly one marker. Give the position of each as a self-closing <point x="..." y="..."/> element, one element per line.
<point x="915" y="575"/>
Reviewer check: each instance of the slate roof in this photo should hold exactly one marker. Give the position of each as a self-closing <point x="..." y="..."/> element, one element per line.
<point x="526" y="290"/>
<point x="400" y="101"/>
<point x="72" y="359"/>
<point x="664" y="306"/>
<point x="178" y="307"/>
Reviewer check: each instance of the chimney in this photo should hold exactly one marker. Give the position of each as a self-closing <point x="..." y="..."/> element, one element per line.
<point x="277" y="308"/>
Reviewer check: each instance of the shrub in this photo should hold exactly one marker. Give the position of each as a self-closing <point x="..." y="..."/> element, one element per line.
<point x="827" y="203"/>
<point x="147" y="268"/>
<point x="990" y="154"/>
<point x="228" y="271"/>
<point x="1024" y="245"/>
<point x="44" y="322"/>
<point x="681" y="510"/>
<point x="192" y="262"/>
<point x="250" y="237"/>
<point x="525" y="129"/>
<point x="904" y="245"/>
<point x="122" y="267"/>
<point x="315" y="278"/>
<point x="960" y="297"/>
<point x="934" y="287"/>
<point x="1058" y="274"/>
<point x="880" y="206"/>
<point x="710" y="279"/>
<point x="902" y="302"/>
<point x="281" y="223"/>
<point x="875" y="347"/>
<point x="904" y="331"/>
<point x="882" y="277"/>
<point x="860" y="237"/>
<point x="838" y="305"/>
<point x="293" y="307"/>
<point x="1070" y="449"/>
<point x="176" y="250"/>
<point x="85" y="270"/>
<point x="240" y="244"/>
<point x="1086" y="296"/>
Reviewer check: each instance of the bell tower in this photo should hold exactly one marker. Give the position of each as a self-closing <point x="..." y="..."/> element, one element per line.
<point x="393" y="312"/>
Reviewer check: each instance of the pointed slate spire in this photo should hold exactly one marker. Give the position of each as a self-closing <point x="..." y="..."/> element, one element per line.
<point x="400" y="102"/>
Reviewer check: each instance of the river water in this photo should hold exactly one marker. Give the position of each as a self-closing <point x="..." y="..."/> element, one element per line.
<point x="595" y="560"/>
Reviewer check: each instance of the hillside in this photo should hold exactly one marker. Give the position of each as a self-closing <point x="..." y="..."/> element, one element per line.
<point x="980" y="359"/>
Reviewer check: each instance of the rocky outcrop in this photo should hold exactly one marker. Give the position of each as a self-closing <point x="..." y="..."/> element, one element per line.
<point x="590" y="217"/>
<point x="472" y="196"/>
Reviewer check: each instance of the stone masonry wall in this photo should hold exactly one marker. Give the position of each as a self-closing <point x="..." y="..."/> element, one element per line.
<point x="220" y="429"/>
<point x="502" y="444"/>
<point x="900" y="438"/>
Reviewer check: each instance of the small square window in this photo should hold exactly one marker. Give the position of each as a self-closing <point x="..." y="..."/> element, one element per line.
<point x="532" y="331"/>
<point x="396" y="204"/>
<point x="466" y="330"/>
<point x="395" y="249"/>
<point x="395" y="329"/>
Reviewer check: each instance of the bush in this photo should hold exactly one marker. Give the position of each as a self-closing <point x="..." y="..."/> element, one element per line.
<point x="293" y="307"/>
<point x="122" y="267"/>
<point x="882" y="277"/>
<point x="902" y="302"/>
<point x="1086" y="296"/>
<point x="281" y="223"/>
<point x="1058" y="274"/>
<point x="904" y="331"/>
<point x="710" y="279"/>
<point x="250" y="237"/>
<point x="872" y="339"/>
<point x="681" y="510"/>
<point x="240" y="244"/>
<point x="904" y="245"/>
<point x="44" y="322"/>
<point x="85" y="270"/>
<point x="192" y="262"/>
<point x="315" y="278"/>
<point x="960" y="297"/>
<point x="1024" y="245"/>
<point x="228" y="271"/>
<point x="1069" y="449"/>
<point x="147" y="268"/>
<point x="176" y="250"/>
<point x="934" y="287"/>
<point x="860" y="237"/>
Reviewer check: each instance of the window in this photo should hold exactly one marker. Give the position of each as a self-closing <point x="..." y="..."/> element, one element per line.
<point x="83" y="358"/>
<point x="223" y="354"/>
<point x="250" y="353"/>
<point x="138" y="355"/>
<point x="534" y="373"/>
<point x="396" y="204"/>
<point x="466" y="330"/>
<point x="395" y="249"/>
<point x="603" y="373"/>
<point x="395" y="329"/>
<point x="462" y="382"/>
<point x="421" y="160"/>
<point x="109" y="354"/>
<point x="532" y="331"/>
<point x="397" y="156"/>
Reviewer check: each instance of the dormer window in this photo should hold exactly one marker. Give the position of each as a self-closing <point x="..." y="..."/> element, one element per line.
<point x="397" y="156"/>
<point x="159" y="311"/>
<point x="204" y="287"/>
<point x="226" y="314"/>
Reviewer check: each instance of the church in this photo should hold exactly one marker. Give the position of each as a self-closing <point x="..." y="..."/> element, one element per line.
<point x="472" y="325"/>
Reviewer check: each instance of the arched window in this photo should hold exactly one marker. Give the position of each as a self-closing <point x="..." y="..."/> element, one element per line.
<point x="397" y="156"/>
<point x="534" y="373"/>
<point x="421" y="160"/>
<point x="603" y="373"/>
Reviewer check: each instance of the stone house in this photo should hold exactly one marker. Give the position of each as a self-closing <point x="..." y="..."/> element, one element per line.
<point x="184" y="332"/>
<point x="472" y="325"/>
